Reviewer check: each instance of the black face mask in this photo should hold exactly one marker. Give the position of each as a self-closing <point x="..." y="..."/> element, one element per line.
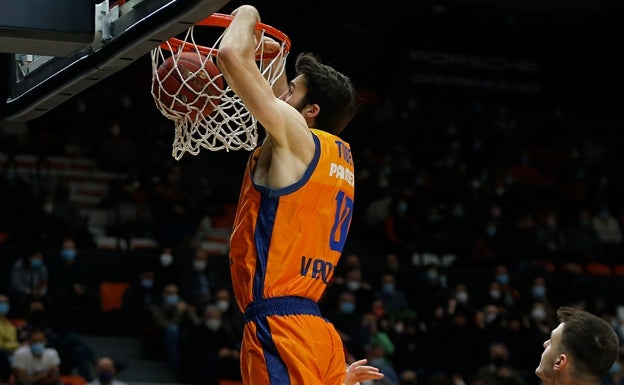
<point x="37" y="316"/>
<point x="499" y="362"/>
<point x="105" y="377"/>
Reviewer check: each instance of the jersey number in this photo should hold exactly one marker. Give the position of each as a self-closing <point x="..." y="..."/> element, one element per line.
<point x="342" y="219"/>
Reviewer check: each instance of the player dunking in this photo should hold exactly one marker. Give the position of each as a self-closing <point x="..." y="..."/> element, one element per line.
<point x="293" y="214"/>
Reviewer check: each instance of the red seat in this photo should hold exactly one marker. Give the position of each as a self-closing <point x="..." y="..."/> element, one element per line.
<point x="17" y="322"/>
<point x="111" y="294"/>
<point x="618" y="269"/>
<point x="73" y="380"/>
<point x="229" y="382"/>
<point x="598" y="268"/>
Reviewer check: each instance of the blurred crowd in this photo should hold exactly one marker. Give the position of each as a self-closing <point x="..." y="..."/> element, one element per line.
<point x="518" y="190"/>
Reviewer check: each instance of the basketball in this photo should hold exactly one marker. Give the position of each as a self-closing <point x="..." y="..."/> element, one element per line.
<point x="185" y="87"/>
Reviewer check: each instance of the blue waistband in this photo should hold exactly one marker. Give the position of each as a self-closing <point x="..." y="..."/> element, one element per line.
<point x="281" y="306"/>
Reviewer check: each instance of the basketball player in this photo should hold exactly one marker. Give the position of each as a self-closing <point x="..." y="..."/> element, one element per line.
<point x="580" y="351"/>
<point x="294" y="212"/>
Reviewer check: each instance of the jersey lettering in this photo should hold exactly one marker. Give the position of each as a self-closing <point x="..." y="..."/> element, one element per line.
<point x="320" y="269"/>
<point x="342" y="220"/>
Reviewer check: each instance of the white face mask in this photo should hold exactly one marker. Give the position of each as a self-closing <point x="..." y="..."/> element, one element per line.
<point x="222" y="305"/>
<point x="461" y="296"/>
<point x="48" y="207"/>
<point x="490" y="317"/>
<point x="199" y="265"/>
<point x="212" y="324"/>
<point x="166" y="259"/>
<point x="353" y="285"/>
<point x="538" y="313"/>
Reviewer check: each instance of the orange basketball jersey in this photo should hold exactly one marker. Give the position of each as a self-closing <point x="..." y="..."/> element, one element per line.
<point x="284" y="247"/>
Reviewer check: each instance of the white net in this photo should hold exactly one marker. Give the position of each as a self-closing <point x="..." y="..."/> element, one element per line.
<point x="206" y="112"/>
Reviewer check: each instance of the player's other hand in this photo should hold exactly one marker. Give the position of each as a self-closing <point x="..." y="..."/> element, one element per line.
<point x="359" y="371"/>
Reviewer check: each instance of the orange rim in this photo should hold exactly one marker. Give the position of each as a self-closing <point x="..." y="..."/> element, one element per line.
<point x="223" y="21"/>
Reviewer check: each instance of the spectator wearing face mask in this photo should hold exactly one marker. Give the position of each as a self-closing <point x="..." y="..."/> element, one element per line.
<point x="76" y="355"/>
<point x="536" y="291"/>
<point x="213" y="350"/>
<point x="230" y="312"/>
<point x="394" y="299"/>
<point x="198" y="280"/>
<point x="106" y="371"/>
<point x="172" y="318"/>
<point x="509" y="294"/>
<point x="498" y="371"/>
<point x="36" y="364"/>
<point x="29" y="280"/>
<point x="344" y="316"/>
<point x="167" y="269"/>
<point x="73" y="290"/>
<point x="137" y="301"/>
<point x="542" y="320"/>
<point x="361" y="289"/>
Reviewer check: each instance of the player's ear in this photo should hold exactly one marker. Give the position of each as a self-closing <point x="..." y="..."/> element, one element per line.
<point x="311" y="110"/>
<point x="561" y="361"/>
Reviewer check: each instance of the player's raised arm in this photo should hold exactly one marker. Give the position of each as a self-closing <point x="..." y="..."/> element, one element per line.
<point x="237" y="61"/>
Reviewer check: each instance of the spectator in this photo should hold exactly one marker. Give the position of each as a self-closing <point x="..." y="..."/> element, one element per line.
<point x="230" y="312"/>
<point x="362" y="290"/>
<point x="349" y="261"/>
<point x="167" y="270"/>
<point x="458" y="328"/>
<point x="73" y="290"/>
<point x="213" y="350"/>
<point x="172" y="319"/>
<point x="369" y="332"/>
<point x="402" y="232"/>
<point x="580" y="243"/>
<point x="106" y="371"/>
<point x="174" y="208"/>
<point x="344" y="316"/>
<point x="515" y="333"/>
<point x="499" y="296"/>
<point x="509" y="294"/>
<point x="197" y="282"/>
<point x="498" y="371"/>
<point x="17" y="203"/>
<point x="137" y="302"/>
<point x="8" y="340"/>
<point x="393" y="298"/>
<point x="75" y="353"/>
<point x="116" y="151"/>
<point x="36" y="364"/>
<point x="461" y="294"/>
<point x="542" y="320"/>
<point x="61" y="216"/>
<point x="550" y="238"/>
<point x="377" y="357"/>
<point x="413" y="345"/>
<point x="609" y="234"/>
<point x="29" y="280"/>
<point x="434" y="282"/>
<point x="539" y="291"/>
<point x="37" y="318"/>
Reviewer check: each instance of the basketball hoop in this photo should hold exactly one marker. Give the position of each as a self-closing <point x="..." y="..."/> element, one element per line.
<point x="210" y="115"/>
